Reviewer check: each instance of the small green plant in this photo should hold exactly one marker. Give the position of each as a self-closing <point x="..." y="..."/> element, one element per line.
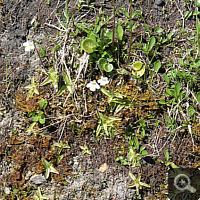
<point x="43" y="103"/>
<point x="67" y="18"/>
<point x="99" y="42"/>
<point x="137" y="183"/>
<point x="148" y="47"/>
<point x="31" y="128"/>
<point x="171" y="123"/>
<point x="198" y="97"/>
<point x="161" y="38"/>
<point x="168" y="162"/>
<point x="52" y="78"/>
<point x="119" y="31"/>
<point x="61" y="146"/>
<point x="121" y="158"/>
<point x="42" y="51"/>
<point x="107" y="124"/>
<point x="175" y="97"/>
<point x="32" y="89"/>
<point x="85" y="150"/>
<point x="138" y="69"/>
<point x="136" y="153"/>
<point x="38" y="115"/>
<point x="97" y="45"/>
<point x="39" y="196"/>
<point x="184" y="75"/>
<point x="142" y="127"/>
<point x="175" y="93"/>
<point x="49" y="168"/>
<point x="131" y="27"/>
<point x="116" y="100"/>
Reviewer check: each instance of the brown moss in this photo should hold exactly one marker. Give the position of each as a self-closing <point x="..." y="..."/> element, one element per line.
<point x="27" y="106"/>
<point x="196" y="129"/>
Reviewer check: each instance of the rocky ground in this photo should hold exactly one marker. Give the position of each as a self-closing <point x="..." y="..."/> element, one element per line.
<point x="82" y="176"/>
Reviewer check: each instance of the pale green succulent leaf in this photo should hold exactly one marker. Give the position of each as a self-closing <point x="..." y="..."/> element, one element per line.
<point x="106" y="92"/>
<point x="53" y="170"/>
<point x="132" y="176"/>
<point x="30" y="129"/>
<point x="47" y="173"/>
<point x="118" y="108"/>
<point x="98" y="130"/>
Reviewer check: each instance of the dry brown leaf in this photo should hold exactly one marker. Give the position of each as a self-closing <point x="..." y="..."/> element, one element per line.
<point x="103" y="168"/>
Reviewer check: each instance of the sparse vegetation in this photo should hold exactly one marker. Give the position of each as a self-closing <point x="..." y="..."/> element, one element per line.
<point x="109" y="78"/>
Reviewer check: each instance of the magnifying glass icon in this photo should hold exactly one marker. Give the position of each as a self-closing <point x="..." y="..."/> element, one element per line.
<point x="182" y="182"/>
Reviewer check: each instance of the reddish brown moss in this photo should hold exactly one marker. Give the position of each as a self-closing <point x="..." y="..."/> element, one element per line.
<point x="27" y="106"/>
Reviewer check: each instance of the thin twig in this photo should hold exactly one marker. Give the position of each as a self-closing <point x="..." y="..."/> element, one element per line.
<point x="181" y="14"/>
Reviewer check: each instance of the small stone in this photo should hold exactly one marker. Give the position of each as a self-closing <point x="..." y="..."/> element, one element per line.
<point x="103" y="168"/>
<point x="158" y="2"/>
<point x="28" y="175"/>
<point x="7" y="190"/>
<point x="38" y="179"/>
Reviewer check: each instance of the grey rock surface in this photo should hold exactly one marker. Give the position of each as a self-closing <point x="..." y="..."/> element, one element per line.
<point x="37" y="179"/>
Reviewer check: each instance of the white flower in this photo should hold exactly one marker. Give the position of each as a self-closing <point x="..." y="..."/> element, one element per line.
<point x="93" y="85"/>
<point x="103" y="80"/>
<point x="28" y="46"/>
